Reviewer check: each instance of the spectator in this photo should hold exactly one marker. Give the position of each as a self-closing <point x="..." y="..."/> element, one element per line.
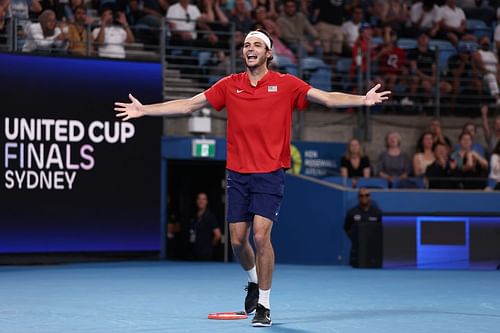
<point x="241" y="17"/>
<point x="423" y="70"/>
<point x="269" y="5"/>
<point x="364" y="46"/>
<point x="281" y="53"/>
<point x="354" y="163"/>
<point x="393" y="14"/>
<point x="486" y="62"/>
<point x="424" y="155"/>
<point x="423" y="15"/>
<point x="443" y="168"/>
<point x="77" y="33"/>
<point x="393" y="163"/>
<point x="491" y="139"/>
<point x="364" y="213"/>
<point x="392" y="61"/>
<point x="55" y="6"/>
<point x="495" y="166"/>
<point x="296" y="31"/>
<point x="68" y="10"/>
<point x="451" y="24"/>
<point x="470" y="164"/>
<point x="45" y="36"/>
<point x="470" y="128"/>
<point x="437" y="133"/>
<point x="146" y="16"/>
<point x="204" y="231"/>
<point x="329" y="16"/>
<point x="350" y="29"/>
<point x="20" y="11"/>
<point x="111" y="36"/>
<point x="463" y="76"/>
<point x="182" y="18"/>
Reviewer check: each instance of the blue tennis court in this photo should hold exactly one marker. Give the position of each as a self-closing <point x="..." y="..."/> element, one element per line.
<point x="177" y="296"/>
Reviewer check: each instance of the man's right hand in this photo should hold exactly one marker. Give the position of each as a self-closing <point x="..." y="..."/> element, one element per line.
<point x="129" y="110"/>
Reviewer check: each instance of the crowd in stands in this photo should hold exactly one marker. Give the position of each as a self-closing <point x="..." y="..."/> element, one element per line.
<point x="436" y="164"/>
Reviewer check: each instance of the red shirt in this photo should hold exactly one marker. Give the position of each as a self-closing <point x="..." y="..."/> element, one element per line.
<point x="393" y="62"/>
<point x="259" y="119"/>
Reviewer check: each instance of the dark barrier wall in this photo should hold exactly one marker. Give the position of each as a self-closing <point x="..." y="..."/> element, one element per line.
<point x="73" y="177"/>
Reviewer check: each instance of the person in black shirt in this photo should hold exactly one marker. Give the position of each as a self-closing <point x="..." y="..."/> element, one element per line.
<point x="438" y="172"/>
<point x="329" y="16"/>
<point x="204" y="231"/>
<point x="364" y="212"/>
<point x="355" y="164"/>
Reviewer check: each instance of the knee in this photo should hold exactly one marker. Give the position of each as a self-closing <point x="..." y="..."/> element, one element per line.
<point x="261" y="240"/>
<point x="237" y="243"/>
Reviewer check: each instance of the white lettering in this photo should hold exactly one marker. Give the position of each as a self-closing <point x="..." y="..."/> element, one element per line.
<point x="15" y="128"/>
<point x="9" y="181"/>
<point x="128" y="131"/>
<point x="76" y="131"/>
<point x="7" y="155"/>
<point x="61" y="130"/>
<point x="92" y="135"/>
<point x="54" y="157"/>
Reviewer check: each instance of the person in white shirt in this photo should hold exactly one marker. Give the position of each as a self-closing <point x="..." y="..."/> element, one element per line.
<point x="45" y="36"/>
<point x="487" y="63"/>
<point x="350" y="29"/>
<point x="182" y="18"/>
<point x="111" y="36"/>
<point x="451" y="24"/>
<point x="423" y="15"/>
<point x="495" y="166"/>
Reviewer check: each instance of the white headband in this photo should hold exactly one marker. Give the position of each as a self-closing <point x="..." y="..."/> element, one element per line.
<point x="259" y="35"/>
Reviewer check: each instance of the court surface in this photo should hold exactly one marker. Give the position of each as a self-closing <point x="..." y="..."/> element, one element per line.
<point x="177" y="296"/>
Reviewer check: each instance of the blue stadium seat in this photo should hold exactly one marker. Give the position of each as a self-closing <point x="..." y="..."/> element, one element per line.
<point x="443" y="57"/>
<point x="413" y="183"/>
<point x="479" y="28"/>
<point x="492" y="183"/>
<point x="372" y="183"/>
<point x="339" y="180"/>
<point x="320" y="74"/>
<point x="407" y="43"/>
<point x="343" y="67"/>
<point x="376" y="41"/>
<point x="473" y="46"/>
<point x="441" y="44"/>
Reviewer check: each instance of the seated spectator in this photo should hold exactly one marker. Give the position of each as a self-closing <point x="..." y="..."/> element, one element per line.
<point x="20" y="10"/>
<point x="437" y="134"/>
<point x="269" y="5"/>
<point x="469" y="163"/>
<point x="424" y="155"/>
<point x="443" y="168"/>
<point x="486" y="62"/>
<point x="464" y="79"/>
<point x="328" y="17"/>
<point x="182" y="18"/>
<point x="55" y="5"/>
<point x="423" y="15"/>
<point x="495" y="166"/>
<point x="296" y="31"/>
<point x="393" y="14"/>
<point x="393" y="163"/>
<point x="111" y="36"/>
<point x="470" y="128"/>
<point x="241" y="17"/>
<point x="45" y="36"/>
<point x="392" y="61"/>
<point x="282" y="54"/>
<point x="145" y="18"/>
<point x="423" y="70"/>
<point x="354" y="163"/>
<point x="68" y="10"/>
<point x="492" y="139"/>
<point x="451" y="24"/>
<point x="350" y="29"/>
<point x="363" y="45"/>
<point x="77" y="33"/>
<point x="478" y="9"/>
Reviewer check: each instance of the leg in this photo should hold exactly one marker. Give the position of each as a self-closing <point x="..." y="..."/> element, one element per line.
<point x="240" y="244"/>
<point x="264" y="251"/>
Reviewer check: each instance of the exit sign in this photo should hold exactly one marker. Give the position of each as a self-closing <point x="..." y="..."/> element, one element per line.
<point x="204" y="148"/>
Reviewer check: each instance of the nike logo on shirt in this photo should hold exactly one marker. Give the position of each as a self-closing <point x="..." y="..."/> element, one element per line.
<point x="239" y="91"/>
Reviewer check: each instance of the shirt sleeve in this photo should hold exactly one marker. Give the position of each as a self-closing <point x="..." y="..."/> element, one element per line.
<point x="216" y="94"/>
<point x="299" y="92"/>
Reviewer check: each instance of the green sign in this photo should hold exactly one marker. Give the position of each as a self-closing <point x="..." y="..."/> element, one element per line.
<point x="204" y="148"/>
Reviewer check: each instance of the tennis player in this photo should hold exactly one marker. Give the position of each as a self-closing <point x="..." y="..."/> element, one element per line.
<point x="259" y="105"/>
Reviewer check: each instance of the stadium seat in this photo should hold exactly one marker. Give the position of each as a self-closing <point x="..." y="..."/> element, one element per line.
<point x="413" y="183"/>
<point x="343" y="67"/>
<point x="479" y="28"/>
<point x="443" y="57"/>
<point x="376" y="41"/>
<point x="407" y="43"/>
<point x="319" y="74"/>
<point x="440" y="44"/>
<point x="372" y="183"/>
<point x="339" y="180"/>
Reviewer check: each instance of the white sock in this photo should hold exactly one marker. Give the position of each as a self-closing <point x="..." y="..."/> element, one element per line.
<point x="264" y="298"/>
<point x="252" y="275"/>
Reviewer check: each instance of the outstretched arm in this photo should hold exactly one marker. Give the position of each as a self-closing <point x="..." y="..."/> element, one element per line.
<point x="135" y="109"/>
<point x="337" y="99"/>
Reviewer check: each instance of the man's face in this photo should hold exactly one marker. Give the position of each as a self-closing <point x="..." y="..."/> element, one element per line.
<point x="441" y="152"/>
<point x="357" y="15"/>
<point x="290" y="8"/>
<point x="471" y="129"/>
<point x="107" y="16"/>
<point x="255" y="53"/>
<point x="50" y="22"/>
<point x="202" y="201"/>
<point x="80" y="16"/>
<point x="364" y="197"/>
<point x="435" y="127"/>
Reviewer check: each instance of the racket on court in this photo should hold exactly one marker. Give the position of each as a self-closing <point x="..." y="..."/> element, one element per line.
<point x="232" y="315"/>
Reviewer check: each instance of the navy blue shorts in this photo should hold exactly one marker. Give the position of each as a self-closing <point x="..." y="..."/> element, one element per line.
<point x="250" y="194"/>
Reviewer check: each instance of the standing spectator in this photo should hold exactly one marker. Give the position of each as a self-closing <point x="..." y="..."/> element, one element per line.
<point x="392" y="61"/>
<point x="423" y="70"/>
<point x="45" y="36"/>
<point x="393" y="163"/>
<point x="111" y="36"/>
<point x="437" y="134"/>
<point x="354" y="163"/>
<point x="423" y="16"/>
<point x="470" y="164"/>
<point x="350" y="29"/>
<point x="204" y="231"/>
<point x="442" y="168"/>
<point x="329" y="16"/>
<point x="495" y="166"/>
<point x="296" y="31"/>
<point x="241" y="17"/>
<point x="77" y="33"/>
<point x="364" y="213"/>
<point x="486" y="62"/>
<point x="424" y="155"/>
<point x="491" y="139"/>
<point x="451" y="24"/>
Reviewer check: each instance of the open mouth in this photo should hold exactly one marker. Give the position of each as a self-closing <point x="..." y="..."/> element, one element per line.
<point x="251" y="57"/>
